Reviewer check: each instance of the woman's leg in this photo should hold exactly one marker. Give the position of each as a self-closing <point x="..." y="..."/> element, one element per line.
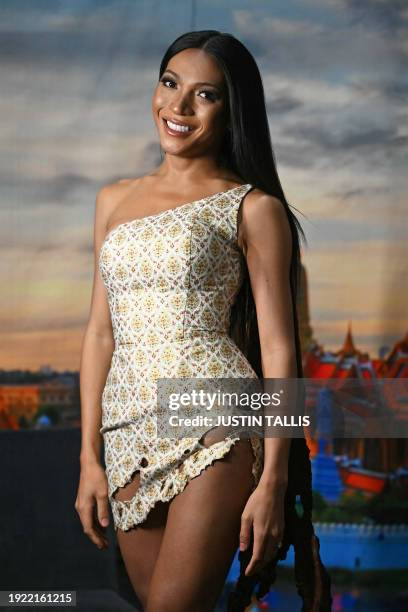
<point x="140" y="545"/>
<point x="202" y="535"/>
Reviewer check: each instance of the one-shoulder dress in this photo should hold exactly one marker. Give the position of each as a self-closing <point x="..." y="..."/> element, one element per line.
<point x="171" y="280"/>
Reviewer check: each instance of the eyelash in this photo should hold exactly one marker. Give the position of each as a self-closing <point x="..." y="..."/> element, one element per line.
<point x="210" y="95"/>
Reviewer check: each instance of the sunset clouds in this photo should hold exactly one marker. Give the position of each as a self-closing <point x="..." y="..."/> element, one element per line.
<point x="77" y="78"/>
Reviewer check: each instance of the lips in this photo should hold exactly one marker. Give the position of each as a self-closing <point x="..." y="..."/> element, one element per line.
<point x="176" y="122"/>
<point x="178" y="132"/>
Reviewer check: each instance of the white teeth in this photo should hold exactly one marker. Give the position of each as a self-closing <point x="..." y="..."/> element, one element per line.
<point x="176" y="127"/>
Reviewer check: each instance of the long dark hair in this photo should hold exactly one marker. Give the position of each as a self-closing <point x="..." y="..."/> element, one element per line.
<point x="247" y="151"/>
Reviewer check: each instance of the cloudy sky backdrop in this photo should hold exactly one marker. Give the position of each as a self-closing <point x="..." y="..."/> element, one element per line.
<point x="76" y="82"/>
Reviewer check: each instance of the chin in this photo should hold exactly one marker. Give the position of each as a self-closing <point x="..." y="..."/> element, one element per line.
<point x="173" y="145"/>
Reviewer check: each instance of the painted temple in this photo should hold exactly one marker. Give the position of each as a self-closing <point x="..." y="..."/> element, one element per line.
<point x="352" y="463"/>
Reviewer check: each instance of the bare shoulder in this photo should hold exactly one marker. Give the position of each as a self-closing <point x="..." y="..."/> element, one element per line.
<point x="113" y="191"/>
<point x="264" y="218"/>
<point x="260" y="206"/>
<point x="110" y="195"/>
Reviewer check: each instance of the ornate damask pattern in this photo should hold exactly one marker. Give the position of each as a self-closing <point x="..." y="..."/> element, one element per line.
<point x="171" y="279"/>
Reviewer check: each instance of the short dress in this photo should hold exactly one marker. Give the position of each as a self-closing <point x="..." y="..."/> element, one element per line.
<point x="171" y="280"/>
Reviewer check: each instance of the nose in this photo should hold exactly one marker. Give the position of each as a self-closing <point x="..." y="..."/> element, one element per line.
<point x="180" y="103"/>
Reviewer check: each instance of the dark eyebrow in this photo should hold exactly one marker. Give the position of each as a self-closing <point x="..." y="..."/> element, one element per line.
<point x="200" y="83"/>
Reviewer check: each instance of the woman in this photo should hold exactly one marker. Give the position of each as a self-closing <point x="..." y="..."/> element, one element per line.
<point x="196" y="276"/>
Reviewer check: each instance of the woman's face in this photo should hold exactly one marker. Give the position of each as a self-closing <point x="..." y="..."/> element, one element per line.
<point x="192" y="94"/>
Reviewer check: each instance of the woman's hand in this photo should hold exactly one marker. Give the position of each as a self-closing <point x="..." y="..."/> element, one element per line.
<point x="93" y="491"/>
<point x="264" y="513"/>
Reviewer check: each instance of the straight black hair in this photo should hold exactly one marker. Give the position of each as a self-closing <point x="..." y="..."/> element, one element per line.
<point x="247" y="150"/>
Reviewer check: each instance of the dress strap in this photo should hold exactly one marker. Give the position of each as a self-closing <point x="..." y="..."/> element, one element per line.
<point x="245" y="189"/>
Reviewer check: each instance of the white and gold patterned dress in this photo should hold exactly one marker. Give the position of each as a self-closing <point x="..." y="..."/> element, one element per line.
<point x="171" y="279"/>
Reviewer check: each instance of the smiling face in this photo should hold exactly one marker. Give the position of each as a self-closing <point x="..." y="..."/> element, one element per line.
<point x="189" y="104"/>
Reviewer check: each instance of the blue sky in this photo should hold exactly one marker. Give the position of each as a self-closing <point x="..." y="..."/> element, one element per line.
<point x="77" y="78"/>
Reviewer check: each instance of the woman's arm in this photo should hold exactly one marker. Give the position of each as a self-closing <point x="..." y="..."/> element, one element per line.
<point x="267" y="245"/>
<point x="268" y="249"/>
<point x="97" y="344"/>
<point x="96" y="354"/>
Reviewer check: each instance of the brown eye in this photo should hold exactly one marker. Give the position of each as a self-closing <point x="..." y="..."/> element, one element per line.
<point x="165" y="80"/>
<point x="209" y="95"/>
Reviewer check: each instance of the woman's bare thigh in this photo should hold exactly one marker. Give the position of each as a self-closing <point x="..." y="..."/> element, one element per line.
<point x="202" y="535"/>
<point x="140" y="545"/>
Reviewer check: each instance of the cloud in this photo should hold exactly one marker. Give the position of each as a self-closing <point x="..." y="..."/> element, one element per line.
<point x="77" y="79"/>
<point x="391" y="14"/>
<point x="387" y="18"/>
<point x="86" y="33"/>
<point x="282" y="104"/>
<point x="351" y="138"/>
<point x="306" y="47"/>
